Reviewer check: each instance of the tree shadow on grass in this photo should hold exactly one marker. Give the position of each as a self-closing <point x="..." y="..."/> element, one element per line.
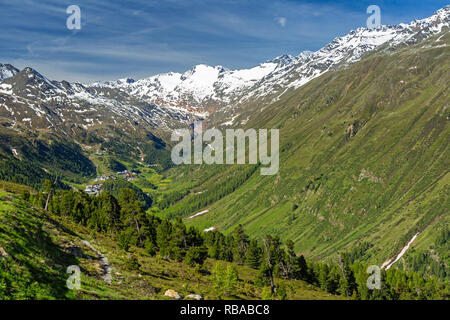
<point x="33" y="254"/>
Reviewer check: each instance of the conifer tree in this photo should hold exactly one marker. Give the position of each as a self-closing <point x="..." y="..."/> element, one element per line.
<point x="254" y="255"/>
<point x="240" y="245"/>
<point x="348" y="281"/>
<point x="195" y="255"/>
<point x="273" y="255"/>
<point x="163" y="238"/>
<point x="132" y="213"/>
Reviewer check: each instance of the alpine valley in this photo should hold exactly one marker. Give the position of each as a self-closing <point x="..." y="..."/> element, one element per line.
<point x="86" y="174"/>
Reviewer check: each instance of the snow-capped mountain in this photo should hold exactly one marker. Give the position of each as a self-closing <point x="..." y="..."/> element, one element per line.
<point x="206" y="89"/>
<point x="168" y="99"/>
<point x="29" y="98"/>
<point x="192" y="89"/>
<point x="7" y="71"/>
<point x="351" y="48"/>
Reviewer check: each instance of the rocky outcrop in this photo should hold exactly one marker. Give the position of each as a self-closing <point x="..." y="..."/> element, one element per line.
<point x="3" y="253"/>
<point x="172" y="294"/>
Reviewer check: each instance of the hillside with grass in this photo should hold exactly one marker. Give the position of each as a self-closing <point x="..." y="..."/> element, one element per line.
<point x="363" y="181"/>
<point x="36" y="248"/>
<point x="364" y="157"/>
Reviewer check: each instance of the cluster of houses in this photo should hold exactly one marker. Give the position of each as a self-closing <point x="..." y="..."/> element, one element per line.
<point x="105" y="177"/>
<point x="94" y="189"/>
<point x="129" y="176"/>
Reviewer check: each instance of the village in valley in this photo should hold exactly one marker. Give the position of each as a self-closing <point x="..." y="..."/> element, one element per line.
<point x="94" y="189"/>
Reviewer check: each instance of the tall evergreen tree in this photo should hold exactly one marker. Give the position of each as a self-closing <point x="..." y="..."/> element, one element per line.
<point x="132" y="213"/>
<point x="163" y="238"/>
<point x="273" y="255"/>
<point x="348" y="281"/>
<point x="254" y="255"/>
<point x="240" y="245"/>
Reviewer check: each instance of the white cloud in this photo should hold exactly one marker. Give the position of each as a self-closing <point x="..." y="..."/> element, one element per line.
<point x="282" y="21"/>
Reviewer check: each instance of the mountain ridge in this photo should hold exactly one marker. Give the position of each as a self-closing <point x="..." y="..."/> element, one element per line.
<point x="220" y="93"/>
<point x="363" y="151"/>
<point x="230" y="87"/>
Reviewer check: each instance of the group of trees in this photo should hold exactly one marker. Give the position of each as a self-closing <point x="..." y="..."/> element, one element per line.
<point x="35" y="160"/>
<point x="114" y="187"/>
<point x="343" y="276"/>
<point x="214" y="193"/>
<point x="126" y="218"/>
<point x="23" y="172"/>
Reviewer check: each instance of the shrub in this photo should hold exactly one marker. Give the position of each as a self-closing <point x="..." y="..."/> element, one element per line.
<point x="225" y="279"/>
<point x="132" y="262"/>
<point x="150" y="247"/>
<point x="124" y="240"/>
<point x="196" y="256"/>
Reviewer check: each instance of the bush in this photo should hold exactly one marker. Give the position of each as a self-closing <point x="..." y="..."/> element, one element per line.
<point x="124" y="240"/>
<point x="25" y="195"/>
<point x="263" y="276"/>
<point x="196" y="256"/>
<point x="266" y="294"/>
<point x="132" y="262"/>
<point x="225" y="279"/>
<point x="150" y="247"/>
<point x="281" y="292"/>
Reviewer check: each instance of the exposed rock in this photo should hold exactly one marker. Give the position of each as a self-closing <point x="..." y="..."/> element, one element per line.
<point x="194" y="297"/>
<point x="103" y="262"/>
<point x="3" y="253"/>
<point x="173" y="294"/>
<point x="352" y="129"/>
<point x="366" y="174"/>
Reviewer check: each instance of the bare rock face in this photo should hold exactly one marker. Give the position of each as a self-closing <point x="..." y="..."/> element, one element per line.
<point x="172" y="294"/>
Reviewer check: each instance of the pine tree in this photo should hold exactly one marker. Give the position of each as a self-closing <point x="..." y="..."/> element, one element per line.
<point x="231" y="280"/>
<point x="49" y="189"/>
<point x="163" y="238"/>
<point x="301" y="270"/>
<point x="218" y="277"/>
<point x="254" y="255"/>
<point x="132" y="213"/>
<point x="264" y="275"/>
<point x="196" y="255"/>
<point x="333" y="280"/>
<point x="323" y="276"/>
<point x="150" y="247"/>
<point x="273" y="256"/>
<point x="178" y="241"/>
<point x="124" y="239"/>
<point x="226" y="248"/>
<point x="240" y="245"/>
<point x="289" y="262"/>
<point x="348" y="281"/>
<point x="194" y="237"/>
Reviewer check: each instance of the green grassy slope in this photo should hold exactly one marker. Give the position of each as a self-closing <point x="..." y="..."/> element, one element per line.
<point x="36" y="249"/>
<point x="364" y="157"/>
<point x="30" y="263"/>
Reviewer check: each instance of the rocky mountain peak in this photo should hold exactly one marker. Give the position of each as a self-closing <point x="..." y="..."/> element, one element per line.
<point x="7" y="71"/>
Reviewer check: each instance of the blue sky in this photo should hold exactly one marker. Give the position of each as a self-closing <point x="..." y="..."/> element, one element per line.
<point x="140" y="38"/>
